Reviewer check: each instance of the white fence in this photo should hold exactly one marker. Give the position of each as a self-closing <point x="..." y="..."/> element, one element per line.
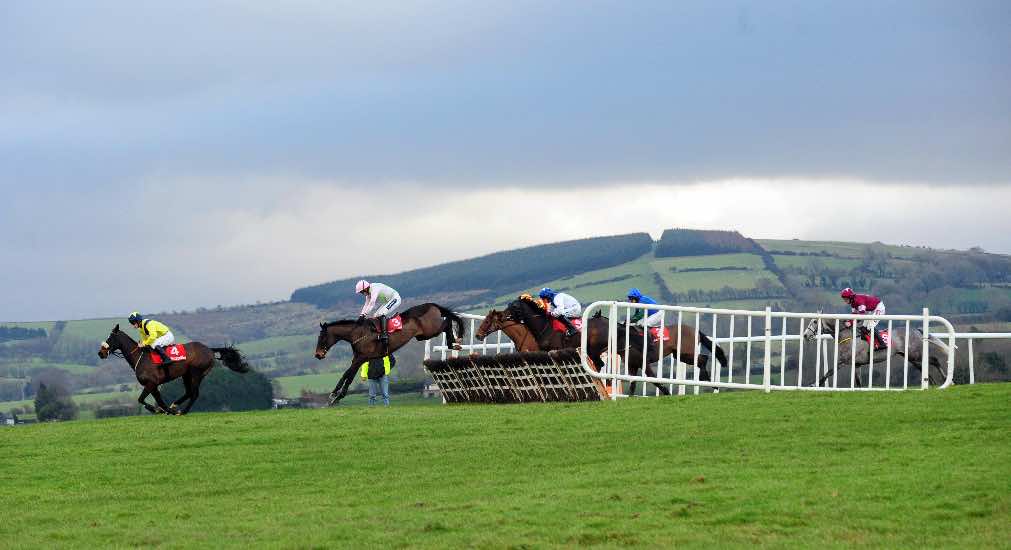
<point x="777" y="342"/>
<point x="493" y="343"/>
<point x="774" y="351"/>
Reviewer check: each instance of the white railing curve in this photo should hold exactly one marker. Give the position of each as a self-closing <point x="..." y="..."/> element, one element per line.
<point x="785" y="346"/>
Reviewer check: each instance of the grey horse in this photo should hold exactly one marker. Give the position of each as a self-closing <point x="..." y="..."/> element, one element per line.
<point x="897" y="347"/>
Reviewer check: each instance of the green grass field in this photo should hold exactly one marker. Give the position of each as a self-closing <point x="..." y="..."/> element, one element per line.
<point x="917" y="469"/>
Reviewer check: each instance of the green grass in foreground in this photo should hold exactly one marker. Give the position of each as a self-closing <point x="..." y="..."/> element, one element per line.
<point x="917" y="469"/>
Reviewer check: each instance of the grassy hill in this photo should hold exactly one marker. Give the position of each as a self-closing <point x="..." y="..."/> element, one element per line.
<point x="918" y="469"/>
<point x="969" y="287"/>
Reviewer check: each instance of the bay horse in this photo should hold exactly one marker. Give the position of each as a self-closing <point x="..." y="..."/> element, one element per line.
<point x="422" y="322"/>
<point x="197" y="365"/>
<point x="897" y="345"/>
<point x="528" y="325"/>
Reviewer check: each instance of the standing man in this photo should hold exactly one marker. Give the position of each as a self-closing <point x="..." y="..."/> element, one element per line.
<point x="379" y="378"/>
<point x="153" y="334"/>
<point x="387" y="300"/>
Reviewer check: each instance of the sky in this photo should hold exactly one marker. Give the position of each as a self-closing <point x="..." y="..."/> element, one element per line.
<point x="163" y="156"/>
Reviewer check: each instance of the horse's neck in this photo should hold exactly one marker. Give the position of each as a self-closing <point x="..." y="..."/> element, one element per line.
<point x="342" y="332"/>
<point x="535" y="318"/>
<point x="520" y="334"/>
<point x="129" y="349"/>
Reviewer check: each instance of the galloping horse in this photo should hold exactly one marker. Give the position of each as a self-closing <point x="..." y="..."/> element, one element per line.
<point x="896" y="346"/>
<point x="198" y="363"/>
<point x="529" y="327"/>
<point x="421" y="322"/>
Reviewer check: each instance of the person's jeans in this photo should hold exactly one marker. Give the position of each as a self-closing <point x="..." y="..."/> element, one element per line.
<point x="374" y="387"/>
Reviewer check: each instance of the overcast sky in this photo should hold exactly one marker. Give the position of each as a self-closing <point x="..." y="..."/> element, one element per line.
<point x="168" y="155"/>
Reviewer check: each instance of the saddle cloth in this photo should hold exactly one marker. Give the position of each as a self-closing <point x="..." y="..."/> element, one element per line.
<point x="654" y="333"/>
<point x="394" y="324"/>
<point x="175" y="352"/>
<point x="560" y="327"/>
<point x="885" y="337"/>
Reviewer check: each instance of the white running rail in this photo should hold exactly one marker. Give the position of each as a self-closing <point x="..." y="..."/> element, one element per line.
<point x="770" y="354"/>
<point x="472" y="346"/>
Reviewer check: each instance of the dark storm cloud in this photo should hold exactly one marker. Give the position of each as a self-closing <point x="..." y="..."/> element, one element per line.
<point x="208" y="121"/>
<point x="463" y="91"/>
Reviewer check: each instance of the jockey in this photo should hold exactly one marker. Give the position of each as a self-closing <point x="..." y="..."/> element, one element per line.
<point x="153" y="334"/>
<point x="387" y="300"/>
<point x="562" y="307"/>
<point x="865" y="304"/>
<point x="643" y="317"/>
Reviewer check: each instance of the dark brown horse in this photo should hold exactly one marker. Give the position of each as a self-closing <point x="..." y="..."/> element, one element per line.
<point x="528" y="325"/>
<point x="197" y="365"/>
<point x="420" y="323"/>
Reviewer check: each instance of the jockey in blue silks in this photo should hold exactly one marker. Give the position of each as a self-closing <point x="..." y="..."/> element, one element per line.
<point x="647" y="317"/>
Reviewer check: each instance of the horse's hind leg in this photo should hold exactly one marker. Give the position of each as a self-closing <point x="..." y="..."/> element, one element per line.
<point x="193" y="389"/>
<point x="188" y="384"/>
<point x="651" y="371"/>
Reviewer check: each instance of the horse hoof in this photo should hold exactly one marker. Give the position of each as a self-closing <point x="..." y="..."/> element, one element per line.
<point x="332" y="400"/>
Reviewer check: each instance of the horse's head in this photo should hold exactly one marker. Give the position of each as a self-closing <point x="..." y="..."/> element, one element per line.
<point x="115" y="342"/>
<point x="325" y="341"/>
<point x="812" y="328"/>
<point x="492" y="322"/>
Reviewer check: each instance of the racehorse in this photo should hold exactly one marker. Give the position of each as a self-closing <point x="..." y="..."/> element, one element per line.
<point x="198" y="363"/>
<point x="529" y="327"/>
<point x="421" y="322"/>
<point x="896" y="346"/>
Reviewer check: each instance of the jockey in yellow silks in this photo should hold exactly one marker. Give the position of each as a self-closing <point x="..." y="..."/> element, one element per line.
<point x="153" y="334"/>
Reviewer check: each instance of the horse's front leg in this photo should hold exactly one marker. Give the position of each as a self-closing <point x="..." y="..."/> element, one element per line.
<point x="161" y="402"/>
<point x="341" y="389"/>
<point x="143" y="400"/>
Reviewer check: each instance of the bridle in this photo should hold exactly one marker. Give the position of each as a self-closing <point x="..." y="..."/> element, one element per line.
<point x="119" y="353"/>
<point x="323" y="329"/>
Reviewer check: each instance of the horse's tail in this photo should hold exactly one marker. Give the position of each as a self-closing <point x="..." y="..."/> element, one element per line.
<point x="720" y="355"/>
<point x="232" y="358"/>
<point x="454" y="318"/>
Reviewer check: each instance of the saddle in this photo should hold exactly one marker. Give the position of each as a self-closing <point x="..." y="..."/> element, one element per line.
<point x="175" y="352"/>
<point x="393" y="324"/>
<point x="559" y="326"/>
<point x="885" y="342"/>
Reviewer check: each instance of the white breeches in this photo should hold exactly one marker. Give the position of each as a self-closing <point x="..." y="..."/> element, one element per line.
<point x="652" y="320"/>
<point x="164" y="340"/>
<point x="871" y="323"/>
<point x="389" y="308"/>
<point x="570" y="312"/>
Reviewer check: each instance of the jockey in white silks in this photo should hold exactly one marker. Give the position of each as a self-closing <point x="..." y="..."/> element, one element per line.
<point x="381" y="298"/>
<point x="562" y="307"/>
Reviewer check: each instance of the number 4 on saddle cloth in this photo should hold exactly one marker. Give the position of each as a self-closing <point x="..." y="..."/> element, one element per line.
<point x="175" y="353"/>
<point x="558" y="326"/>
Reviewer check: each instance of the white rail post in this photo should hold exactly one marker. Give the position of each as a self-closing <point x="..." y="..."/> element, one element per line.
<point x="767" y="368"/>
<point x="612" y="347"/>
<point x="972" y="371"/>
<point x="925" y="361"/>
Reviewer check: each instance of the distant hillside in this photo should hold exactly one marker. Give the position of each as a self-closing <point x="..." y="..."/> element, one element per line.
<point x="695" y="242"/>
<point x="495" y="273"/>
<point x="700" y="268"/>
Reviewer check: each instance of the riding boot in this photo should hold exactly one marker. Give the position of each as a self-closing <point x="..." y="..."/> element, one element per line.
<point x="570" y="330"/>
<point x="165" y="361"/>
<point x="879" y="342"/>
<point x="384" y="334"/>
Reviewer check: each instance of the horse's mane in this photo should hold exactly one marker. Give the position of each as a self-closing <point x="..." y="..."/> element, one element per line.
<point x="530" y="305"/>
<point x="340" y="322"/>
